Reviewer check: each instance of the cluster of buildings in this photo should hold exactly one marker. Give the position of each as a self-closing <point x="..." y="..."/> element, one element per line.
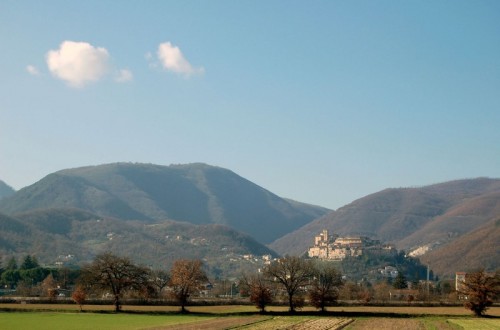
<point x="334" y="247"/>
<point x="264" y="259"/>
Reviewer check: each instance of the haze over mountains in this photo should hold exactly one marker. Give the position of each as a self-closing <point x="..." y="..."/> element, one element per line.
<point x="5" y="190"/>
<point x="138" y="208"/>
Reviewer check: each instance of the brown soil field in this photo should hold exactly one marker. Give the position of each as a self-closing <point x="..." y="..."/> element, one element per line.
<point x="400" y="324"/>
<point x="456" y="310"/>
<point x="299" y="323"/>
<point x="386" y="323"/>
<point x="218" y="323"/>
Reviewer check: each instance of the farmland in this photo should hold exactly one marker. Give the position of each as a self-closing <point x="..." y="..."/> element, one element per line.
<point x="44" y="316"/>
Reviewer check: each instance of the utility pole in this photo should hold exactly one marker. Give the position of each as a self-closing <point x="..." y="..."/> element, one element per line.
<point x="427" y="281"/>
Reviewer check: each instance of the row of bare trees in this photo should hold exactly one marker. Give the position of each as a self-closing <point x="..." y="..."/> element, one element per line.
<point x="321" y="283"/>
<point x="292" y="277"/>
<point x="296" y="278"/>
<point x="119" y="275"/>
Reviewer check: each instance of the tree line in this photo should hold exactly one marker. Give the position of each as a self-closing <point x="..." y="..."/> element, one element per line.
<point x="119" y="276"/>
<point x="30" y="278"/>
<point x="297" y="279"/>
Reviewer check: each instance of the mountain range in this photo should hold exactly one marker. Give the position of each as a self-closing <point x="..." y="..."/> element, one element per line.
<point x="443" y="224"/>
<point x="195" y="193"/>
<point x="215" y="214"/>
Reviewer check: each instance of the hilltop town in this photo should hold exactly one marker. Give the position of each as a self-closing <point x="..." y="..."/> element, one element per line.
<point x="334" y="247"/>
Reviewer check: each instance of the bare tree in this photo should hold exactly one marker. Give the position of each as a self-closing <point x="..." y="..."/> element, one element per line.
<point x="116" y="274"/>
<point x="49" y="287"/>
<point x="293" y="273"/>
<point x="159" y="280"/>
<point x="480" y="288"/>
<point x="325" y="285"/>
<point x="259" y="290"/>
<point x="186" y="276"/>
<point x="79" y="296"/>
<point x="381" y="291"/>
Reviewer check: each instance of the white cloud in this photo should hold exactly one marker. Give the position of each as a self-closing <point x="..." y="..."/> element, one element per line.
<point x="32" y="70"/>
<point x="78" y="63"/>
<point x="172" y="59"/>
<point x="124" y="75"/>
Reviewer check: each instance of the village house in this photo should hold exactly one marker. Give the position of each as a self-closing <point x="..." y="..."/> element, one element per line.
<point x="389" y="271"/>
<point x="459" y="281"/>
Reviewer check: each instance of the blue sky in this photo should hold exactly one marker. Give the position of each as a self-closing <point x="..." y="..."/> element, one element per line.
<point x="319" y="101"/>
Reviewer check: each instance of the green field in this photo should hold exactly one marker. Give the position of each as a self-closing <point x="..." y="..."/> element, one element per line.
<point x="481" y="324"/>
<point x="91" y="321"/>
<point x="241" y="317"/>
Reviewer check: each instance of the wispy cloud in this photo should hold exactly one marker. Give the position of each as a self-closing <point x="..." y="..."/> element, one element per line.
<point x="78" y="63"/>
<point x="124" y="75"/>
<point x="32" y="70"/>
<point x="172" y="59"/>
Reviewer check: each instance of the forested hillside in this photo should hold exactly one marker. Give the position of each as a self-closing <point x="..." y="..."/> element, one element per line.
<point x="195" y="193"/>
<point x="73" y="236"/>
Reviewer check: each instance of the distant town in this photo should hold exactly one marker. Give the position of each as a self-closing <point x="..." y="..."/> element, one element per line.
<point x="334" y="247"/>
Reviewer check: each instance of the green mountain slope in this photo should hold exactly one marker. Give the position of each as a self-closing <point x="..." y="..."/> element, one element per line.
<point x="195" y="193"/>
<point x="13" y="234"/>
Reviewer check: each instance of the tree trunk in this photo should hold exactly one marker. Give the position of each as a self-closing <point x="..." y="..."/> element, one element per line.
<point x="117" y="303"/>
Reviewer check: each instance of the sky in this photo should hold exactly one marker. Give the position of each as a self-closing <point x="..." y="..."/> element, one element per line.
<point x="322" y="102"/>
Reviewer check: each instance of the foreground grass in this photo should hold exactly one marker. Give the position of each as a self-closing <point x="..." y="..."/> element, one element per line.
<point x="486" y="324"/>
<point x="108" y="321"/>
<point x="238" y="309"/>
<point x="92" y="321"/>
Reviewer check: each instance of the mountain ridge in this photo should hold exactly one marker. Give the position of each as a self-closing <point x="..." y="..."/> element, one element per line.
<point x="6" y="190"/>
<point x="427" y="221"/>
<point x="429" y="216"/>
<point x="197" y="193"/>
